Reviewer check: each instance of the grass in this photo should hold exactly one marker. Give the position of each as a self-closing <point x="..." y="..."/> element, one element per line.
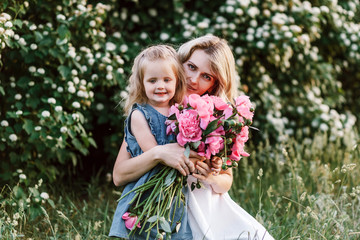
<point x="297" y="190"/>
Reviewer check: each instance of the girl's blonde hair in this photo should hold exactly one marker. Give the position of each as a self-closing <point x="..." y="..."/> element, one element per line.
<point x="222" y="63"/>
<point x="136" y="81"/>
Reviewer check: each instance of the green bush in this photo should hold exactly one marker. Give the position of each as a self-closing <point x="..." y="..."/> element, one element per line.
<point x="65" y="66"/>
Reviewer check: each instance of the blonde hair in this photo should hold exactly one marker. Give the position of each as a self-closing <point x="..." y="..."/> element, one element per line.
<point x="136" y="81"/>
<point x="222" y="63"/>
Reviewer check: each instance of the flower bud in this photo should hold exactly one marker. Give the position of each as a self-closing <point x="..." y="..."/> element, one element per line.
<point x="229" y="141"/>
<point x="180" y="107"/>
<point x="234" y="164"/>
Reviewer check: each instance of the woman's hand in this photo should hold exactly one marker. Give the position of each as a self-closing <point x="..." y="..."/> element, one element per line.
<point x="172" y="155"/>
<point x="206" y="171"/>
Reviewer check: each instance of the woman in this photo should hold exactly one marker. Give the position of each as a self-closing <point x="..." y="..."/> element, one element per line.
<point x="210" y="69"/>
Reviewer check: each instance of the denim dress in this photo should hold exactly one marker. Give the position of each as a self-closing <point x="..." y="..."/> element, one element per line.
<point x="157" y="125"/>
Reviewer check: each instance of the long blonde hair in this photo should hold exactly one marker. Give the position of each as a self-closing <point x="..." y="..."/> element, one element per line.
<point x="222" y="63"/>
<point x="136" y="81"/>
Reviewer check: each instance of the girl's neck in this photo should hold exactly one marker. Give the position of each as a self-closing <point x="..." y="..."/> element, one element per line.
<point x="164" y="110"/>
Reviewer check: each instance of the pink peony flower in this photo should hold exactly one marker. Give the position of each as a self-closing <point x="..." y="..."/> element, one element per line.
<point x="189" y="129"/>
<point x="219" y="103"/>
<point x="243" y="106"/>
<point x="214" y="145"/>
<point x="204" y="106"/>
<point x="130" y="221"/>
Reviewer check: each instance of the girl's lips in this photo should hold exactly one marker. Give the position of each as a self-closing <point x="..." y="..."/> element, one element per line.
<point x="191" y="88"/>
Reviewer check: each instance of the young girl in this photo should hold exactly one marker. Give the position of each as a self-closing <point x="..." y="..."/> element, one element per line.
<point x="212" y="214"/>
<point x="157" y="82"/>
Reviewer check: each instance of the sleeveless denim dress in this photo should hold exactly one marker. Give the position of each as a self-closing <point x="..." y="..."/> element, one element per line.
<point x="158" y="128"/>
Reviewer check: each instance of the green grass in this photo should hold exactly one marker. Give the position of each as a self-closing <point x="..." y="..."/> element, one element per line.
<point x="304" y="190"/>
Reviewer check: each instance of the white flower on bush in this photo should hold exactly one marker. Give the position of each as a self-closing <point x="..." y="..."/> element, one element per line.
<point x="19" y="112"/>
<point x="13" y="137"/>
<point x="37" y="128"/>
<point x="60" y="17"/>
<point x="32" y="69"/>
<point x="18" y="96"/>
<point x="63" y="129"/>
<point x="45" y="114"/>
<point x="244" y="3"/>
<point x="8" y="25"/>
<point x="6" y="16"/>
<point x="4" y="123"/>
<point x="120" y="70"/>
<point x="99" y="106"/>
<point x="124" y="48"/>
<point x="253" y="12"/>
<point x="44" y="195"/>
<point x="260" y="44"/>
<point x="94" y="77"/>
<point x="109" y="76"/>
<point x="72" y="53"/>
<point x="60" y="89"/>
<point x="71" y="89"/>
<point x="76" y="80"/>
<point x="75" y="116"/>
<point x="41" y="70"/>
<point x="164" y="36"/>
<point x="76" y="104"/>
<point x="152" y="12"/>
<point x="22" y="42"/>
<point x="32" y="27"/>
<point x="51" y="100"/>
<point x="135" y="18"/>
<point x="109" y="68"/>
<point x="81" y="94"/>
<point x="58" y="108"/>
<point x="110" y="46"/>
<point x="324" y="127"/>
<point x="203" y="25"/>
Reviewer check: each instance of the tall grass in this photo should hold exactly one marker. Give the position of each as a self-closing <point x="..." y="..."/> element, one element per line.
<point x="298" y="190"/>
<point x="303" y="190"/>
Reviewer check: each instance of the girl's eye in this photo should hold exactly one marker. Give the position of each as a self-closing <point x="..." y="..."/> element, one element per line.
<point x="167" y="80"/>
<point x="152" y="80"/>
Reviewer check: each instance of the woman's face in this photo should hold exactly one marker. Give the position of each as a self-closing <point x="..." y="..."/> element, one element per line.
<point x="198" y="75"/>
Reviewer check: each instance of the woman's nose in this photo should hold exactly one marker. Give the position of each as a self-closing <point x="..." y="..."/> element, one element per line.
<point x="194" y="79"/>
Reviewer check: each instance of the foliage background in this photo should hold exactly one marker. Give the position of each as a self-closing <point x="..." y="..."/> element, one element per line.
<point x="65" y="64"/>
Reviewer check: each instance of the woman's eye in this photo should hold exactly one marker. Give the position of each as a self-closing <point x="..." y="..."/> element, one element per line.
<point x="191" y="67"/>
<point x="207" y="77"/>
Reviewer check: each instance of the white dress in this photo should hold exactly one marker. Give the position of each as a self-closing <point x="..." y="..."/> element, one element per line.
<point x="215" y="216"/>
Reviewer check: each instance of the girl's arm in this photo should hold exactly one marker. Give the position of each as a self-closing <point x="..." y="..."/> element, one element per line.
<point x="127" y="169"/>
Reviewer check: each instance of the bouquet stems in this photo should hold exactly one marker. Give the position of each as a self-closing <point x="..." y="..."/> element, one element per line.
<point x="165" y="195"/>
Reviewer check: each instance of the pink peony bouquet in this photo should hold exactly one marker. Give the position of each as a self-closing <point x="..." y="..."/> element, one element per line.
<point x="212" y="127"/>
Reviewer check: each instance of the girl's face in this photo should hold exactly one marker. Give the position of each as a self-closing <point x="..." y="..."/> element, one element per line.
<point x="159" y="82"/>
<point x="198" y="75"/>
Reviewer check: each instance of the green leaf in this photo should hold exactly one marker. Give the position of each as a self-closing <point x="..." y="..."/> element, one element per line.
<point x="170" y="177"/>
<point x="165" y="225"/>
<point x="63" y="31"/>
<point x="64" y="71"/>
<point x="172" y="117"/>
<point x="28" y="126"/>
<point x="212" y="126"/>
<point x="195" y="145"/>
<point x="187" y="151"/>
<point x="152" y="219"/>
<point x="2" y="91"/>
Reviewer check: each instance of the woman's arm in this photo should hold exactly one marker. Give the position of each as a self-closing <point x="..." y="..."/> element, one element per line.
<point x="220" y="182"/>
<point x="127" y="169"/>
